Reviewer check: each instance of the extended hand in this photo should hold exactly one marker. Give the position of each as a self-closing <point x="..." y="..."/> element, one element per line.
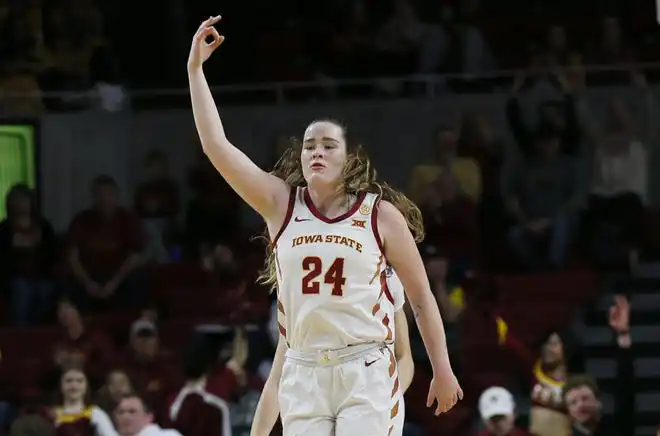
<point x="201" y="50"/>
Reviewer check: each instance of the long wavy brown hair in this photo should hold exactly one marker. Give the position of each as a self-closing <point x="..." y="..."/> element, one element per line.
<point x="358" y="176"/>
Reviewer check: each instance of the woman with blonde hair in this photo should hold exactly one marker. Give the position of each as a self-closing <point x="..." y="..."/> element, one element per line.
<point x="334" y="230"/>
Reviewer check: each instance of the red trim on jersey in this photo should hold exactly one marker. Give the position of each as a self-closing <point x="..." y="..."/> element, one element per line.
<point x="325" y="219"/>
<point x="374" y="226"/>
<point x="288" y="215"/>
<point x="385" y="286"/>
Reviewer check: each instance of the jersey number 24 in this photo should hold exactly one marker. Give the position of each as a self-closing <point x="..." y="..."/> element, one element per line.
<point x="334" y="275"/>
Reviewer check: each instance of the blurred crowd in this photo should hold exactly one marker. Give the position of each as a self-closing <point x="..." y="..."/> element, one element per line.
<point x="87" y="48"/>
<point x="146" y="315"/>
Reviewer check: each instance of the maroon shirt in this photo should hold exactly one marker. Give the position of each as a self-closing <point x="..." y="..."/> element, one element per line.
<point x="199" y="413"/>
<point x="105" y="244"/>
<point x="79" y="424"/>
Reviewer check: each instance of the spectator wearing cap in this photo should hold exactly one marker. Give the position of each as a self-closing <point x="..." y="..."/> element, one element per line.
<point x="497" y="410"/>
<point x="543" y="198"/>
<point x="152" y="371"/>
<point x="582" y="395"/>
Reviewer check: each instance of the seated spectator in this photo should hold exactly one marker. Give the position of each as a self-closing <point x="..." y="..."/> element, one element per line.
<point x="152" y="370"/>
<point x="615" y="209"/>
<point x="497" y="410"/>
<point x="89" y="349"/>
<point x="157" y="203"/>
<point x="612" y="49"/>
<point x="477" y="141"/>
<point x="465" y="170"/>
<point x="557" y="51"/>
<point x="74" y="416"/>
<point x="543" y="197"/>
<point x="117" y="385"/>
<point x="29" y="251"/>
<point x="104" y="246"/>
<point x="559" y="116"/>
<point x="135" y="418"/>
<point x="583" y="398"/>
<point x="450" y="221"/>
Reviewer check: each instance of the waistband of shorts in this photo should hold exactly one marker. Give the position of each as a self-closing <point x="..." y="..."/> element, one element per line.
<point x="333" y="357"/>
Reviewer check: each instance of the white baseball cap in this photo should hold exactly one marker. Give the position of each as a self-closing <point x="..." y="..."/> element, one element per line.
<point x="495" y="401"/>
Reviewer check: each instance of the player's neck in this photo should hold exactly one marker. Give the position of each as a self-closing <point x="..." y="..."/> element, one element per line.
<point x="328" y="200"/>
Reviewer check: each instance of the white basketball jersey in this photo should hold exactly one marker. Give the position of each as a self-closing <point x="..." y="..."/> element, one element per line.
<point x="331" y="279"/>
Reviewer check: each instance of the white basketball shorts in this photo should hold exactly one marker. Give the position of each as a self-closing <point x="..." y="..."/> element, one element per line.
<point x="346" y="392"/>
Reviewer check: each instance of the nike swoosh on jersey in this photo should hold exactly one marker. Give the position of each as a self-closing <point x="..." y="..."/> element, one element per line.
<point x="368" y="364"/>
<point x="299" y="220"/>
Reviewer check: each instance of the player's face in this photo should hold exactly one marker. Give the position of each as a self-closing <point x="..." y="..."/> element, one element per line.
<point x="323" y="154"/>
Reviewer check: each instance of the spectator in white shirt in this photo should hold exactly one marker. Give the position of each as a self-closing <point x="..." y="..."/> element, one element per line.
<point x="619" y="179"/>
<point x="135" y="418"/>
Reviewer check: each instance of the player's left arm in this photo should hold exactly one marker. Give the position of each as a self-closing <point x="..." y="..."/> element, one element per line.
<point x="402" y="350"/>
<point x="402" y="253"/>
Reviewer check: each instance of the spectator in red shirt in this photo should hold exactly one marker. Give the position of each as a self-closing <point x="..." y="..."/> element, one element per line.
<point x="497" y="410"/>
<point x="152" y="371"/>
<point x="28" y="249"/>
<point x="104" y="246"/>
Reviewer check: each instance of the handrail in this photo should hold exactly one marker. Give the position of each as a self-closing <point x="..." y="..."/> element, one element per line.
<point x="279" y="89"/>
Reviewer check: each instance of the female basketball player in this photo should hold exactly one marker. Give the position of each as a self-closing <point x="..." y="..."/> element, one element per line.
<point x="333" y="373"/>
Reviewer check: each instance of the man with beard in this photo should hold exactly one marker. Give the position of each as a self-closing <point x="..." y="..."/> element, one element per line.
<point x="581" y="392"/>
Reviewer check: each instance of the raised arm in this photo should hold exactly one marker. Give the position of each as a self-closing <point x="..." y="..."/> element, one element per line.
<point x="265" y="193"/>
<point x="402" y="253"/>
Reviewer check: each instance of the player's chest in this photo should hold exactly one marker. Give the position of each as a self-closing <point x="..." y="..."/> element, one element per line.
<point x="354" y="243"/>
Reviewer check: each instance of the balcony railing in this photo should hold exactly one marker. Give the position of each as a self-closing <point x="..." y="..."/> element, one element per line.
<point x="329" y="89"/>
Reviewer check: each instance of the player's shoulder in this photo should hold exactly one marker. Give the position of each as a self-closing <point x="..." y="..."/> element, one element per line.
<point x="389" y="215"/>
